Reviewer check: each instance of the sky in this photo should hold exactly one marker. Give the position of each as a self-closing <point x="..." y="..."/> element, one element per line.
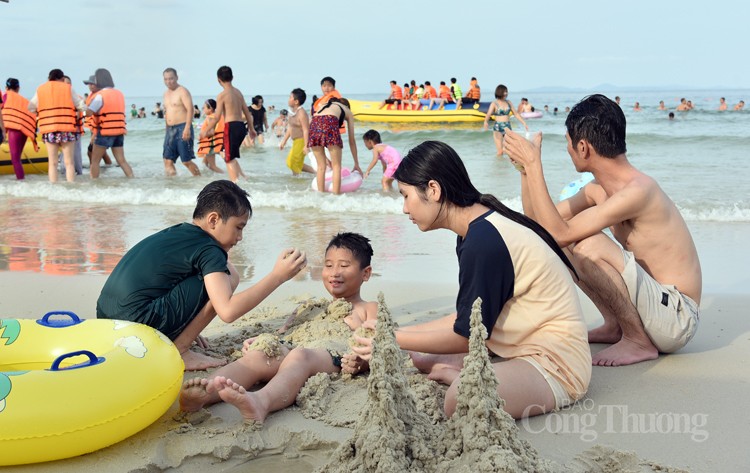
<point x="277" y="45"/>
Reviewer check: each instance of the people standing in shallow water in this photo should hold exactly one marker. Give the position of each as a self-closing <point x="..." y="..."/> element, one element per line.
<point x="501" y="109"/>
<point x="230" y="104"/>
<point x="324" y="133"/>
<point x="108" y="110"/>
<point x="646" y="282"/>
<point x="530" y="305"/>
<point x="178" y="141"/>
<point x="56" y="104"/>
<point x="20" y="124"/>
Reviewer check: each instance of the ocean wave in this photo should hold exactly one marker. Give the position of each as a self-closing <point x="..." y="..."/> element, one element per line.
<point x="287" y="199"/>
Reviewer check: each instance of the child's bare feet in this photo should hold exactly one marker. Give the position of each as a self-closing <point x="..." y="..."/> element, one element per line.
<point x="249" y="404"/>
<point x="198" y="362"/>
<point x="193" y="395"/>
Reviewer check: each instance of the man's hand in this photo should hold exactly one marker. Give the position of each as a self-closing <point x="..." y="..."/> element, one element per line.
<point x="521" y="151"/>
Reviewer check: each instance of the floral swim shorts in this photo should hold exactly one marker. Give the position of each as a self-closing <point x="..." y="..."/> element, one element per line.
<point x="61" y="137"/>
<point x="324" y="131"/>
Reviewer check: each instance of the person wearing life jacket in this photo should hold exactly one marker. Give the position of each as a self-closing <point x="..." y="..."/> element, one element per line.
<point x="77" y="155"/>
<point x="20" y="124"/>
<point x="444" y="96"/>
<point x="212" y="143"/>
<point x="409" y="90"/>
<point x="328" y="87"/>
<point x="89" y="120"/>
<point x="474" y="93"/>
<point x="457" y="94"/>
<point x="108" y="109"/>
<point x="395" y="98"/>
<point x="416" y="97"/>
<point x="56" y="103"/>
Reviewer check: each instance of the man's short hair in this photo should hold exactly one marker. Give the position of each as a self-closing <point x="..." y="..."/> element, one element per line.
<point x="224" y="74"/>
<point x="601" y="122"/>
<point x="356" y="243"/>
<point x="170" y="69"/>
<point x="225" y="198"/>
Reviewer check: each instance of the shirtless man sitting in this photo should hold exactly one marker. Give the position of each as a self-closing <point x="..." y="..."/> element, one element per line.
<point x="231" y="104"/>
<point x="648" y="289"/>
<point x="178" y="110"/>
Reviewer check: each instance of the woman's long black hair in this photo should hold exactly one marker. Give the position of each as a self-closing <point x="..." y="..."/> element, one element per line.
<point x="436" y="161"/>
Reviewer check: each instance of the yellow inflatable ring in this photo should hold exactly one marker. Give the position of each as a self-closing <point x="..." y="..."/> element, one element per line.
<point x="70" y="386"/>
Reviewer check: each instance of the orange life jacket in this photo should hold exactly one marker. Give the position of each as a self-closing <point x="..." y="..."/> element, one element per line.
<point x="445" y="93"/>
<point x="396" y="92"/>
<point x="56" y="110"/>
<point x="16" y="115"/>
<point x="216" y="141"/>
<point x="429" y="92"/>
<point x="90" y="119"/>
<point x="324" y="99"/>
<point x="473" y="92"/>
<point x="110" y="119"/>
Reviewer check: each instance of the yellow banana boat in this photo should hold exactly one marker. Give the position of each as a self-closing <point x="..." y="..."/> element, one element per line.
<point x="34" y="162"/>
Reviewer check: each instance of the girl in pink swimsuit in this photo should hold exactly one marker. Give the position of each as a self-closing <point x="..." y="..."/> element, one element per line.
<point x="387" y="154"/>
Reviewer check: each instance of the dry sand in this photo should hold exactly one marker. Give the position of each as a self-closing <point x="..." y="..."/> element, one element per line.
<point x="688" y="410"/>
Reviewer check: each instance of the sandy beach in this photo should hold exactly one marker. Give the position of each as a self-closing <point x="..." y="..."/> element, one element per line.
<point x="686" y="411"/>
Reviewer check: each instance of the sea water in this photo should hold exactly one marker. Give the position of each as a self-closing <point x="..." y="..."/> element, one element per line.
<point x="700" y="159"/>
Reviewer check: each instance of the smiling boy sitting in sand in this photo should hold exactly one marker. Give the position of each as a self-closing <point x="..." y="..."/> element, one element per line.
<point x="286" y="369"/>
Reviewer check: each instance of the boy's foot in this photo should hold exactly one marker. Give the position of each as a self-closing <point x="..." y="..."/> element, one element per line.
<point x="624" y="352"/>
<point x="247" y="403"/>
<point x="198" y="362"/>
<point x="193" y="395"/>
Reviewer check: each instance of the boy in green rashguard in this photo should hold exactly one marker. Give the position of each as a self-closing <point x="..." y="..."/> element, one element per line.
<point x="180" y="278"/>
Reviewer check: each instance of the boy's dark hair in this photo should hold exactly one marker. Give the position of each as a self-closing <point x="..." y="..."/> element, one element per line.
<point x="453" y="80"/>
<point x="328" y="79"/>
<point x="442" y="82"/>
<point x="427" y="82"/>
<point x="601" y="122"/>
<point x="356" y="243"/>
<point x="55" y="74"/>
<point x="225" y="198"/>
<point x="299" y="95"/>
<point x="224" y="74"/>
<point x="372" y="135"/>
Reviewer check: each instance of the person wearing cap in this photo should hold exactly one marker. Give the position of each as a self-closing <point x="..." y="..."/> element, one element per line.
<point x="93" y="89"/>
<point x="56" y="104"/>
<point x="108" y="109"/>
<point x="19" y="123"/>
